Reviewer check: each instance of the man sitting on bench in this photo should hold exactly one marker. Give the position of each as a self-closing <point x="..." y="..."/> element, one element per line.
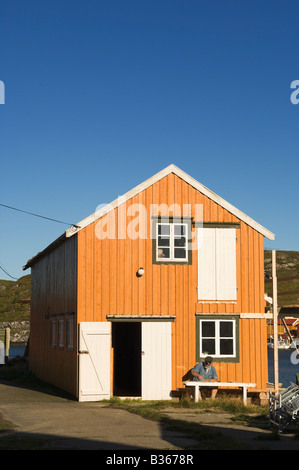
<point x="205" y="372"/>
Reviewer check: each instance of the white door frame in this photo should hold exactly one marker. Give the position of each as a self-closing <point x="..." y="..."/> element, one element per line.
<point x="95" y="360"/>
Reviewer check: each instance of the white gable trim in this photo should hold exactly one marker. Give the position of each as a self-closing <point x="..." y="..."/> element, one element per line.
<point x="157" y="177"/>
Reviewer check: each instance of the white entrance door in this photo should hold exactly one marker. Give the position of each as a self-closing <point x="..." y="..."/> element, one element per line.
<point x="156" y="360"/>
<point x="94" y="361"/>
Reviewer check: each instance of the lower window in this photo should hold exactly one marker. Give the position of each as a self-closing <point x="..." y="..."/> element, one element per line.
<point x="70" y="333"/>
<point x="218" y="337"/>
<point x="53" y="333"/>
<point x="61" y="332"/>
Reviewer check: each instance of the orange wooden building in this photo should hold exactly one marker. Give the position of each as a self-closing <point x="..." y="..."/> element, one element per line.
<point x="126" y="302"/>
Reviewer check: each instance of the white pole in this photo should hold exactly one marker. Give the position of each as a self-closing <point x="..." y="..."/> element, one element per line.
<point x="275" y="328"/>
<point x="7" y="343"/>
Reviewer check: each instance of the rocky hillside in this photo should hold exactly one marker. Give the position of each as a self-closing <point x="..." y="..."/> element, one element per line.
<point x="19" y="330"/>
<point x="287" y="265"/>
<point x="15" y="309"/>
<point x="13" y="296"/>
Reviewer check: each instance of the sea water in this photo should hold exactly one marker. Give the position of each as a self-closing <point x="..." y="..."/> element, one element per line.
<point x="288" y="366"/>
<point x="16" y="350"/>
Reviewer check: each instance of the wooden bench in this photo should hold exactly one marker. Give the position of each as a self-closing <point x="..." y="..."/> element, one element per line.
<point x="199" y="384"/>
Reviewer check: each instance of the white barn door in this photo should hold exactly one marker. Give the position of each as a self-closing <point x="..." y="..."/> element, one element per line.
<point x="156" y="360"/>
<point x="94" y="361"/>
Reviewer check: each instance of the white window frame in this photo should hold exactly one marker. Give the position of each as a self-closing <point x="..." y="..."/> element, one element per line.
<point x="53" y="333"/>
<point x="217" y="337"/>
<point x="60" y="332"/>
<point x="70" y="333"/>
<point x="171" y="242"/>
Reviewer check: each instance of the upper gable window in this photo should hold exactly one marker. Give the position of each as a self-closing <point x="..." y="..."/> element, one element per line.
<point x="170" y="241"/>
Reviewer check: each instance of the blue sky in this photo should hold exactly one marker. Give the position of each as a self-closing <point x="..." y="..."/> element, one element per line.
<point x="101" y="95"/>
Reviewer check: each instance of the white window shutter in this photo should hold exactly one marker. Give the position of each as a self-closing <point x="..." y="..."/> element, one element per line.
<point x="217" y="279"/>
<point x="226" y="264"/>
<point x="206" y="243"/>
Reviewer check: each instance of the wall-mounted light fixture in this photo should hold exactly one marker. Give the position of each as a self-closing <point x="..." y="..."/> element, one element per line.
<point x="140" y="272"/>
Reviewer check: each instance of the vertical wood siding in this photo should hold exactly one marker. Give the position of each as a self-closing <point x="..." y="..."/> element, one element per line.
<point x="53" y="292"/>
<point x="108" y="285"/>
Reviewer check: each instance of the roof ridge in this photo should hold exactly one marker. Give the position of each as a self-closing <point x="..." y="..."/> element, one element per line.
<point x="157" y="177"/>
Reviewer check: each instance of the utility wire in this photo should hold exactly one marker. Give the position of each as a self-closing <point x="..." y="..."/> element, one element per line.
<point x="37" y="215"/>
<point x="8" y="273"/>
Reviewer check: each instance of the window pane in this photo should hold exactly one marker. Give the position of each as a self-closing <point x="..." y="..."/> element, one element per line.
<point x="180" y="253"/>
<point x="208" y="329"/>
<point x="226" y="329"/>
<point x="172" y="242"/>
<point x="179" y="230"/>
<point x="163" y="253"/>
<point x="180" y="241"/>
<point x="163" y="229"/>
<point x="226" y="347"/>
<point x="60" y="333"/>
<point x="53" y="333"/>
<point x="70" y="333"/>
<point x="163" y="241"/>
<point x="208" y="346"/>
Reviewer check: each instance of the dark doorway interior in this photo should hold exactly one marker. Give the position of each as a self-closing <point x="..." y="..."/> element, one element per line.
<point x="126" y="341"/>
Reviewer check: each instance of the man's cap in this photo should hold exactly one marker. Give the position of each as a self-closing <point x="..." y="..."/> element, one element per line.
<point x="208" y="360"/>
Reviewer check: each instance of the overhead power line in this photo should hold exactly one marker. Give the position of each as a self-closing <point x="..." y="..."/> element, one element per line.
<point x="4" y="270"/>
<point x="35" y="215"/>
<point x="38" y="215"/>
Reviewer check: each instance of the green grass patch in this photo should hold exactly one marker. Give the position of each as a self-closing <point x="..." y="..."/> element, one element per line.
<point x="5" y="426"/>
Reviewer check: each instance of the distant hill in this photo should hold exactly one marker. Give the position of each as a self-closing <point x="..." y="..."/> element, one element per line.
<point x="287" y="264"/>
<point x="11" y="295"/>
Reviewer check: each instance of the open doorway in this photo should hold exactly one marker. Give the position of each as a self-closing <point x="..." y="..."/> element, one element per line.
<point x="126" y="341"/>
